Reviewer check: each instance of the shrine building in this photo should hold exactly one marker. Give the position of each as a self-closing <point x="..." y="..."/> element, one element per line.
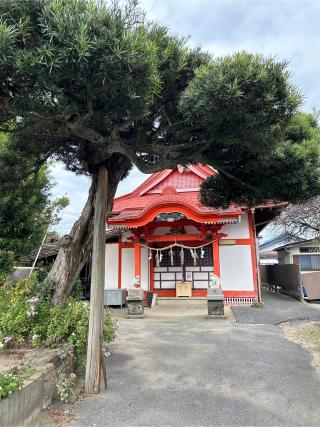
<point x="160" y="234"/>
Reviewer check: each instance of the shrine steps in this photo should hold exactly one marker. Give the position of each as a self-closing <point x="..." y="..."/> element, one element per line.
<point x="181" y="303"/>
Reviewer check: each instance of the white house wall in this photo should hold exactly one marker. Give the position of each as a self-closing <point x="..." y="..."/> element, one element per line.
<point x="111" y="276"/>
<point x="236" y="268"/>
<point x="296" y="250"/>
<point x="284" y="257"/>
<point x="237" y="231"/>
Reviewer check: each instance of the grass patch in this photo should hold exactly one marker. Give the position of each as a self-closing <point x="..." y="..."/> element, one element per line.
<point x="256" y="304"/>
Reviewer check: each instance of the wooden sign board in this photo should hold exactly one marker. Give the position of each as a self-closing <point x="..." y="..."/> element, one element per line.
<point x="184" y="289"/>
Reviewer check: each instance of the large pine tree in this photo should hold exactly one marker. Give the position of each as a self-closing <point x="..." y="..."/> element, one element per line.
<point x="100" y="88"/>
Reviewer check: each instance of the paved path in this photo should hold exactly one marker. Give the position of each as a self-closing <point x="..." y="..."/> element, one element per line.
<point x="202" y="373"/>
<point x="278" y="308"/>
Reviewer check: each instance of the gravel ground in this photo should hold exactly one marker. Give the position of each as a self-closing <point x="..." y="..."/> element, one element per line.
<point x="278" y="308"/>
<point x="184" y="372"/>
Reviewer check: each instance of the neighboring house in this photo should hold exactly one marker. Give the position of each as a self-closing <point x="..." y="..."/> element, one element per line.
<point x="44" y="256"/>
<point x="304" y="280"/>
<point x="47" y="254"/>
<point x="165" y="235"/>
<point x="267" y="250"/>
<point x="268" y="258"/>
<point x="304" y="253"/>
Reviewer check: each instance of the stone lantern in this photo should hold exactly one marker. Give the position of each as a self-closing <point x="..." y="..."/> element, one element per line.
<point x="215" y="298"/>
<point x="135" y="301"/>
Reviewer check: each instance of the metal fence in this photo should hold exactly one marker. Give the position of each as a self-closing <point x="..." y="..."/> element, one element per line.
<point x="284" y="276"/>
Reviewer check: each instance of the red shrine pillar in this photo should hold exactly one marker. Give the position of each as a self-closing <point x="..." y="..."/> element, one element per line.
<point x="215" y="254"/>
<point x="137" y="259"/>
<point x="119" y="259"/>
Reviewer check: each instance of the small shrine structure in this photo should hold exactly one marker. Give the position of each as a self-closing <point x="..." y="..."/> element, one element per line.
<point x="160" y="235"/>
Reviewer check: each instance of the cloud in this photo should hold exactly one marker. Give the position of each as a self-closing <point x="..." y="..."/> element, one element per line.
<point x="288" y="30"/>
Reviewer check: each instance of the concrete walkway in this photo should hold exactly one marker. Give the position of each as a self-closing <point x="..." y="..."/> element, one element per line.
<point x="184" y="372"/>
<point x="278" y="308"/>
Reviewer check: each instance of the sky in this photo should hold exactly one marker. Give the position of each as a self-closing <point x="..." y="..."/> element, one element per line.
<point x="285" y="29"/>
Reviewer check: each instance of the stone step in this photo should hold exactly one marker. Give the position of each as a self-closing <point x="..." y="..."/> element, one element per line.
<point x="180" y="307"/>
<point x="178" y="302"/>
<point x="181" y="303"/>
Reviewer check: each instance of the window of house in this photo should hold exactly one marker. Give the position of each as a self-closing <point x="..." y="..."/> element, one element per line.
<point x="309" y="249"/>
<point x="309" y="262"/>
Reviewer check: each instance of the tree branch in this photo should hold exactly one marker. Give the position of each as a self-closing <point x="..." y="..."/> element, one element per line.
<point x="234" y="178"/>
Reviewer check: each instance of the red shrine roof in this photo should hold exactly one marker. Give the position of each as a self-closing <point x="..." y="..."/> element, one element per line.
<point x="169" y="191"/>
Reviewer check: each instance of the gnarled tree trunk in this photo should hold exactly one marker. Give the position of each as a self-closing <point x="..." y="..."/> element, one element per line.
<point x="74" y="251"/>
<point x="77" y="245"/>
<point x="95" y="333"/>
<point x="109" y="175"/>
<point x="87" y="234"/>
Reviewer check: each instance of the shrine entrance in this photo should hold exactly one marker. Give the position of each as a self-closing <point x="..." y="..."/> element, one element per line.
<point x="181" y="248"/>
<point x="164" y="235"/>
<point x="187" y="263"/>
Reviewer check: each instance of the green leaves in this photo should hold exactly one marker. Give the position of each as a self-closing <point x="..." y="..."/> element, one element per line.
<point x="63" y="324"/>
<point x="8" y="34"/>
<point x="242" y="98"/>
<point x="289" y="172"/>
<point x="135" y="86"/>
<point x="25" y="207"/>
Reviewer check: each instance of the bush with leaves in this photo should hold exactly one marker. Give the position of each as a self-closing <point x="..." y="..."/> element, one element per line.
<point x="9" y="383"/>
<point x="65" y="385"/>
<point x="13" y="380"/>
<point x="28" y="317"/>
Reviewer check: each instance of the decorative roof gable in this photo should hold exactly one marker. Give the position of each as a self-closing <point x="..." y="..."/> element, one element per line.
<point x="169" y="189"/>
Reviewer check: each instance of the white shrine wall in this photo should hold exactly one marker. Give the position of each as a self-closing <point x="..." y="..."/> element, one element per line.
<point x="236" y="260"/>
<point x="144" y="269"/>
<point x="127" y="267"/>
<point x="237" y="231"/>
<point x="111" y="257"/>
<point x="236" y="268"/>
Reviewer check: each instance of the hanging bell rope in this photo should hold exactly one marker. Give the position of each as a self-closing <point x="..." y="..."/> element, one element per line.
<point x="171" y="256"/>
<point x="194" y="256"/>
<point x="179" y="245"/>
<point x="182" y="256"/>
<point x="202" y="253"/>
<point x="157" y="259"/>
<point x="193" y="252"/>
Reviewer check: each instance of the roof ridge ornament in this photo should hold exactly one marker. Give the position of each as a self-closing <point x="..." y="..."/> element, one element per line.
<point x="182" y="169"/>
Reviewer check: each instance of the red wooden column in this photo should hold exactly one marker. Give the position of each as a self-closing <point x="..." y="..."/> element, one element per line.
<point x="137" y="259"/>
<point x="256" y="284"/>
<point x="215" y="253"/>
<point x="119" y="260"/>
<point x="151" y="279"/>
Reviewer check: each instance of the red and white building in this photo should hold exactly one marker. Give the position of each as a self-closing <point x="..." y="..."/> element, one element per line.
<point x="163" y="217"/>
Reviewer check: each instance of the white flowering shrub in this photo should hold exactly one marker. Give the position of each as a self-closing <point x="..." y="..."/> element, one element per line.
<point x="65" y="384"/>
<point x="13" y="380"/>
<point x="27" y="315"/>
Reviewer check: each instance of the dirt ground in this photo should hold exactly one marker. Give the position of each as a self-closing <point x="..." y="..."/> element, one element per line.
<point x="306" y="334"/>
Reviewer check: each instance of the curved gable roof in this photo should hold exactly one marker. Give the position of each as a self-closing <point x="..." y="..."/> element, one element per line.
<point x="171" y="187"/>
